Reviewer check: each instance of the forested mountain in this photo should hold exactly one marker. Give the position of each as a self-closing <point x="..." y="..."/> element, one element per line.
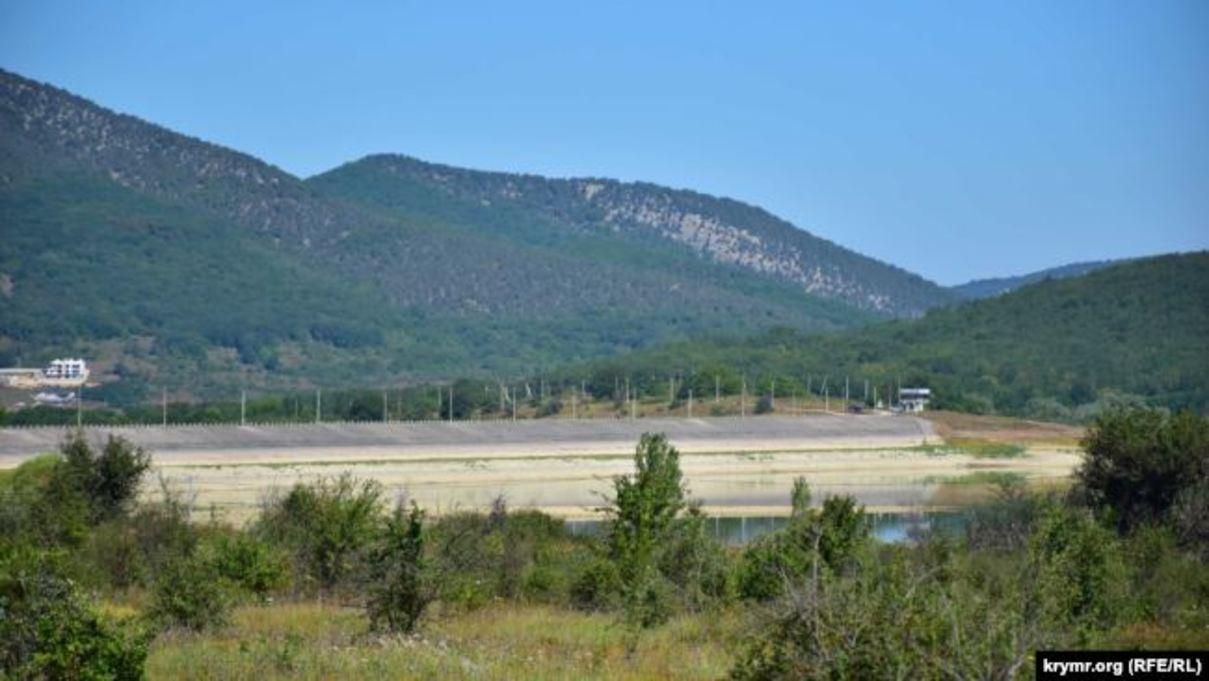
<point x="985" y="288"/>
<point x="177" y="262"/>
<point x="1061" y="348"/>
<point x="545" y="211"/>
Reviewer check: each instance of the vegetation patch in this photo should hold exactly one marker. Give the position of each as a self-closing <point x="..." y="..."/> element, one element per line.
<point x="331" y="582"/>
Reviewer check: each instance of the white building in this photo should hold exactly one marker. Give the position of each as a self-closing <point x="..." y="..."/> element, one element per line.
<point x="914" y="399"/>
<point x="66" y="369"/>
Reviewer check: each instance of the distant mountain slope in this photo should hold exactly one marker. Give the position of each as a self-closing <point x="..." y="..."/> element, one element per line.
<point x="547" y="211"/>
<point x="986" y="288"/>
<point x="1056" y="349"/>
<point x="178" y="262"/>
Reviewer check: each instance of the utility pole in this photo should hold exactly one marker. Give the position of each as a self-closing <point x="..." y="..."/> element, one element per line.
<point x="743" y="398"/>
<point x="826" y="399"/>
<point x="808" y="390"/>
<point x="671" y="389"/>
<point x="772" y="393"/>
<point x="634" y="405"/>
<point x="866" y="390"/>
<point x="845" y="390"/>
<point x="243" y="408"/>
<point x="318" y="405"/>
<point x="690" y="403"/>
<point x="574" y="410"/>
<point x="385" y="408"/>
<point x="514" y="405"/>
<point x="717" y="388"/>
<point x="451" y="403"/>
<point x="164" y="408"/>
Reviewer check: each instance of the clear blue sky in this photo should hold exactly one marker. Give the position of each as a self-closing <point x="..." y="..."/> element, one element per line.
<point x="956" y="139"/>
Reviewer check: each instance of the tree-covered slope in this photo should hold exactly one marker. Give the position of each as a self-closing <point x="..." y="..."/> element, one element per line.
<point x="1059" y="348"/>
<point x="181" y="262"/>
<point x="604" y="218"/>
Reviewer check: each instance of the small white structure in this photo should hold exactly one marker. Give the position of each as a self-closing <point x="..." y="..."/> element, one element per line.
<point x="60" y="373"/>
<point x="66" y="369"/>
<point x="55" y="399"/>
<point x="914" y="399"/>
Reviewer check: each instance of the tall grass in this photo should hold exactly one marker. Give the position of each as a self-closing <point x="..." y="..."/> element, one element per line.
<point x="501" y="641"/>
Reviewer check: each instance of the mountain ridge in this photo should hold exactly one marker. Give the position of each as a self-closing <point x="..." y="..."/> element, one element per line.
<point x="192" y="262"/>
<point x="993" y="286"/>
<point x="723" y="230"/>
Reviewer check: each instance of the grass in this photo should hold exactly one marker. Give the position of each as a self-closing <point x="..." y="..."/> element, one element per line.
<point x="501" y="641"/>
<point x="977" y="448"/>
<point x="1000" y="429"/>
<point x="972" y="488"/>
<point x="973" y="448"/>
<point x="979" y="478"/>
<point x="984" y="449"/>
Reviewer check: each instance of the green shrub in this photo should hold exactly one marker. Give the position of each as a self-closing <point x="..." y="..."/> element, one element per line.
<point x="399" y="587"/>
<point x="39" y="505"/>
<point x="327" y="524"/>
<point x="799" y="498"/>
<point x="114" y="550"/>
<point x="833" y="535"/>
<point x="1190" y="514"/>
<point x="1005" y="523"/>
<point x="1077" y="571"/>
<point x="597" y="587"/>
<point x="248" y="563"/>
<point x="163" y="529"/>
<point x="188" y="593"/>
<point x="47" y="631"/>
<point x="482" y="557"/>
<point x="764" y="405"/>
<point x="891" y="617"/>
<point x="695" y="563"/>
<point x="1167" y="585"/>
<point x="544" y="583"/>
<point x="1139" y="462"/>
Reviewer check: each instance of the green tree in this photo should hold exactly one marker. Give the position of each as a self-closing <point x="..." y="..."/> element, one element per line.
<point x="645" y="505"/>
<point x="328" y="523"/>
<point x="110" y="481"/>
<point x="1139" y="462"/>
<point x="399" y="590"/>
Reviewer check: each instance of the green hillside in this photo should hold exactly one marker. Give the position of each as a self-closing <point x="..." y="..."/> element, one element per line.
<point x="174" y="262"/>
<point x="1057" y="349"/>
<point x="636" y="224"/>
